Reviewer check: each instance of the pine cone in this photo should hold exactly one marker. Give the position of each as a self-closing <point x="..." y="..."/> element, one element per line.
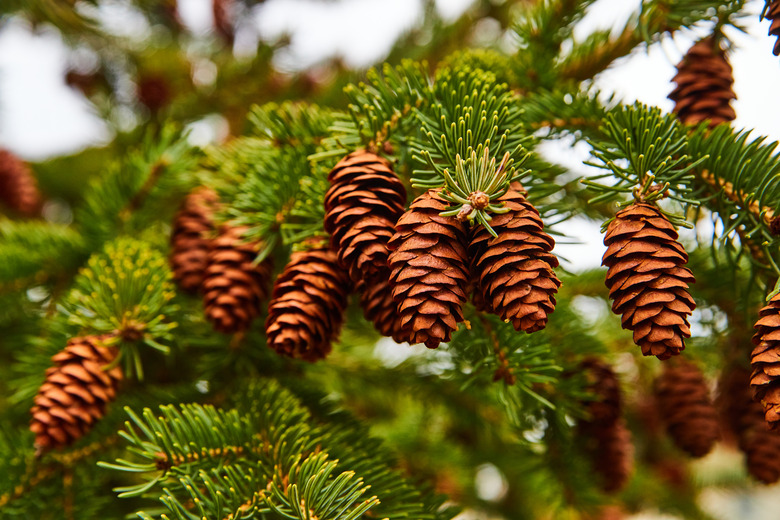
<point x="75" y="393"/>
<point x="765" y="380"/>
<point x="604" y="385"/>
<point x="307" y="305"/>
<point x="154" y="92"/>
<point x="223" y="13"/>
<point x="364" y="201"/>
<point x="773" y="14"/>
<point x="428" y="275"/>
<point x="18" y="189"/>
<point x="376" y="299"/>
<point x="233" y="285"/>
<point x="192" y="226"/>
<point x="514" y="269"/>
<point x="685" y="407"/>
<point x="647" y="280"/>
<point x="611" y="452"/>
<point x="704" y="83"/>
<point x="760" y="445"/>
<point x="606" y="440"/>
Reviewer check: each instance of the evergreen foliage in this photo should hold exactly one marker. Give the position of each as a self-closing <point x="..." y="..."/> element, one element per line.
<point x="214" y="426"/>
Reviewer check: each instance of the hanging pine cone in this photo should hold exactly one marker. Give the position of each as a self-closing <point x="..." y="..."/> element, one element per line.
<point x="190" y="238"/>
<point x="18" y="189"/>
<point x="233" y="285"/>
<point x="604" y="385"/>
<point x="647" y="280"/>
<point x="773" y="14"/>
<point x="704" y="83"/>
<point x="611" y="452"/>
<point x="376" y="299"/>
<point x="362" y="205"/>
<point x="307" y="305"/>
<point x="514" y="270"/>
<point x="765" y="380"/>
<point x="606" y="440"/>
<point x="75" y="393"/>
<point x="685" y="407"/>
<point x="428" y="275"/>
<point x="760" y="445"/>
<point x="223" y="12"/>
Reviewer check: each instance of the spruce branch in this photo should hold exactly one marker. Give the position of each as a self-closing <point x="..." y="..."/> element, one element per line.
<point x="124" y="291"/>
<point x="643" y="157"/>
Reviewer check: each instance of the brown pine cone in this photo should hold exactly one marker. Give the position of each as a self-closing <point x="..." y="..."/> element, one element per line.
<point x="773" y="15"/>
<point x="611" y="453"/>
<point x="18" y="188"/>
<point x="765" y="359"/>
<point x="514" y="269"/>
<point x="604" y="385"/>
<point x="685" y="406"/>
<point x="307" y="304"/>
<point x="760" y="445"/>
<point x="376" y="299"/>
<point x="154" y="92"/>
<point x="224" y="15"/>
<point x="606" y="440"/>
<point x="704" y="82"/>
<point x="190" y="238"/>
<point x="428" y="275"/>
<point x="647" y="280"/>
<point x="233" y="285"/>
<point x="362" y="205"/>
<point x="75" y="393"/>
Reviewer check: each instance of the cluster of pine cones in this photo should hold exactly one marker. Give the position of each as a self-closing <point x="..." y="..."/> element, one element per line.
<point x="413" y="269"/>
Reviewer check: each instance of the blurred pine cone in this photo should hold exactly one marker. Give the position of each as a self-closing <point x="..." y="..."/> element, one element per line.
<point x="307" y="304"/>
<point x="773" y="14"/>
<point x="611" y="453"/>
<point x="18" y="188"/>
<point x="704" y="82"/>
<point x="606" y="440"/>
<point x="234" y="285"/>
<point x="428" y="275"/>
<point x="190" y="238"/>
<point x="685" y="406"/>
<point x="746" y="417"/>
<point x="514" y="270"/>
<point x="75" y="393"/>
<point x="647" y="280"/>
<point x="765" y="359"/>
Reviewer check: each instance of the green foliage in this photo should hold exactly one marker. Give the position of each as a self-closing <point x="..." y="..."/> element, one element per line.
<point x="644" y="157"/>
<point x="267" y="459"/>
<point x="161" y="171"/>
<point x="366" y="433"/>
<point x="35" y="249"/>
<point x="743" y="174"/>
<point x="125" y="290"/>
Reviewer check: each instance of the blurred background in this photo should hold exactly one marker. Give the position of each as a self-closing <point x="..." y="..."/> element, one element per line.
<point x="80" y="80"/>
